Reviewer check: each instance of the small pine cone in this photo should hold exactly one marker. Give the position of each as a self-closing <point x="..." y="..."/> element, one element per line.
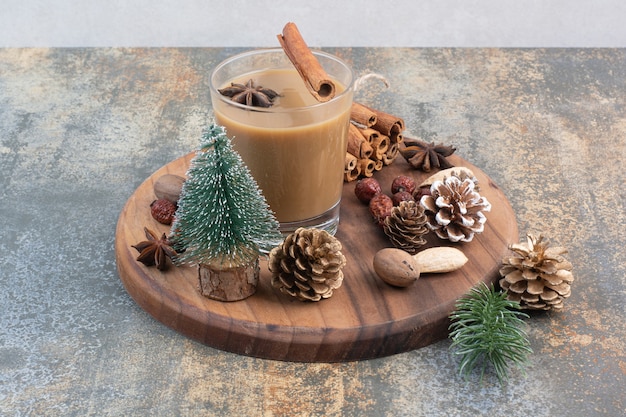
<point x="455" y="209"/>
<point x="307" y="265"/>
<point x="406" y="226"/>
<point x="537" y="276"/>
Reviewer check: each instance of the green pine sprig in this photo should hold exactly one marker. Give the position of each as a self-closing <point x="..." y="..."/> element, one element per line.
<point x="487" y="329"/>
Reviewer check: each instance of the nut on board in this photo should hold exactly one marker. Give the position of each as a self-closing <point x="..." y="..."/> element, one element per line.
<point x="396" y="267"/>
<point x="168" y="186"/>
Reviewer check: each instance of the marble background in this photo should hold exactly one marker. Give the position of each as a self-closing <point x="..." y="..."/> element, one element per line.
<point x="80" y="129"/>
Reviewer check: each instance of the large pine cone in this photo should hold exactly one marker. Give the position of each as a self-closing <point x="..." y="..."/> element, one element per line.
<point x="307" y="265"/>
<point x="455" y="209"/>
<point x="537" y="276"/>
<point x="463" y="175"/>
<point x="406" y="226"/>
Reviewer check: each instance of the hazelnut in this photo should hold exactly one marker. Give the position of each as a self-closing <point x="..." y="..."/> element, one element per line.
<point x="168" y="186"/>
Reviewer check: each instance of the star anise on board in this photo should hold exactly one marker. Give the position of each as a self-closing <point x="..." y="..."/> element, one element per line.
<point x="250" y="95"/>
<point x="155" y="250"/>
<point x="426" y="156"/>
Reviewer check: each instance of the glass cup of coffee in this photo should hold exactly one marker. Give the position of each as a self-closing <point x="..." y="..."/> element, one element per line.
<point x="295" y="149"/>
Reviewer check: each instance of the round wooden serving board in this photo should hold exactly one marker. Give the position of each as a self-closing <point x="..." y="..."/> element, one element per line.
<point x="365" y="318"/>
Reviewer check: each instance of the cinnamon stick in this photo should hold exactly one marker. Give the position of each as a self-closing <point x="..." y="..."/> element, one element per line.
<point x="367" y="167"/>
<point x="353" y="173"/>
<point x="380" y="146"/>
<point x="386" y="123"/>
<point x="315" y="77"/>
<point x="357" y="145"/>
<point x="391" y="154"/>
<point x="396" y="137"/>
<point x="350" y="176"/>
<point x="350" y="162"/>
<point x="363" y="115"/>
<point x="369" y="134"/>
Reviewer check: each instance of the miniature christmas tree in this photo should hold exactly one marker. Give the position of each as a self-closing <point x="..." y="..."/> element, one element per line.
<point x="222" y="221"/>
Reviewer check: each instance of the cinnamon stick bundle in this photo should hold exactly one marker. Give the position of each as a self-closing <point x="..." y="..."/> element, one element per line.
<point x="375" y="141"/>
<point x="315" y="77"/>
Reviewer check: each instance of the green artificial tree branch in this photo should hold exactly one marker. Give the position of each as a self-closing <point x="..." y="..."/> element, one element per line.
<point x="487" y="329"/>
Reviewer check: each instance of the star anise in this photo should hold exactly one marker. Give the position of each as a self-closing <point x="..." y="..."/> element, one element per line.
<point x="426" y="156"/>
<point x="155" y="250"/>
<point x="250" y="95"/>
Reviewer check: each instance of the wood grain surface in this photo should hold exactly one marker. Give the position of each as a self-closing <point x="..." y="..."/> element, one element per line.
<point x="365" y="318"/>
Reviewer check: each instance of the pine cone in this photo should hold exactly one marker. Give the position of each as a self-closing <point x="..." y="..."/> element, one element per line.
<point x="307" y="265"/>
<point x="537" y="276"/>
<point x="455" y="209"/>
<point x="406" y="226"/>
<point x="463" y="175"/>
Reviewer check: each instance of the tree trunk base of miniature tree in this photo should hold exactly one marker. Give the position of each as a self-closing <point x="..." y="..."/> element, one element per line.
<point x="228" y="284"/>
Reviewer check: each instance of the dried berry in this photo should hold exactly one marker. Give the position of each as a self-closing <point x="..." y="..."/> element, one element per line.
<point x="401" y="196"/>
<point x="421" y="191"/>
<point x="366" y="188"/>
<point x="380" y="207"/>
<point x="163" y="211"/>
<point x="403" y="183"/>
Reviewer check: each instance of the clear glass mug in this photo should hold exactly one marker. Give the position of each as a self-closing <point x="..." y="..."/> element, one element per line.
<point x="296" y="148"/>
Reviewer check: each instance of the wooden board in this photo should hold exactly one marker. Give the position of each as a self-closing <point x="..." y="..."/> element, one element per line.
<point x="365" y="318"/>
